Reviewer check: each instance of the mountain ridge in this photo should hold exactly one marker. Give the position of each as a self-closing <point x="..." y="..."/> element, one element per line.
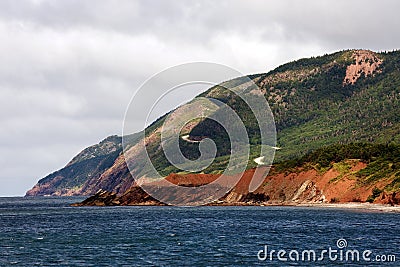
<point x="316" y="102"/>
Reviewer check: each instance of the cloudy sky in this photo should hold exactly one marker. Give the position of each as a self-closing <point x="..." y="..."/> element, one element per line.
<point x="68" y="68"/>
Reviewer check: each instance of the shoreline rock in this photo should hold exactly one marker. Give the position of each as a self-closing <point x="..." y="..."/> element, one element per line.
<point x="108" y="199"/>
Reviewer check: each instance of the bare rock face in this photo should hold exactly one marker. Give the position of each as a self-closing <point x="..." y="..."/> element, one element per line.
<point x="390" y="199"/>
<point x="366" y="63"/>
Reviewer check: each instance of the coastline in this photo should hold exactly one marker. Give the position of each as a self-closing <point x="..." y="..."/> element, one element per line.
<point x="107" y="199"/>
<point x="346" y="206"/>
<point x="355" y="206"/>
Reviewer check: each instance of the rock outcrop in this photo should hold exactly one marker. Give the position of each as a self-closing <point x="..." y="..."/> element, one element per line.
<point x="366" y="63"/>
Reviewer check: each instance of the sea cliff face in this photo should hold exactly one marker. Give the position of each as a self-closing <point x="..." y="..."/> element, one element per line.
<point x="302" y="186"/>
<point x="346" y="97"/>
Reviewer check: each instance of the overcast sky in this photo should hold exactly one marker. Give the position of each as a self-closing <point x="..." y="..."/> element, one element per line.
<point x="68" y="68"/>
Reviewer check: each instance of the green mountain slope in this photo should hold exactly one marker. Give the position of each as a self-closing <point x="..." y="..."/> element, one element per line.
<point x="313" y="108"/>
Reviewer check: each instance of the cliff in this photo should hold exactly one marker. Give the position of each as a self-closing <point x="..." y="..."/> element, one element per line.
<point x="327" y="175"/>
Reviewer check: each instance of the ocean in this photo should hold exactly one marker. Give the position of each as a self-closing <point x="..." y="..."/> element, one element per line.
<point x="48" y="232"/>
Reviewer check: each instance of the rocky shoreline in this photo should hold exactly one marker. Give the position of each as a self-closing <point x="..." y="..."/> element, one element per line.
<point x="355" y="206"/>
<point x="301" y="187"/>
<point x="103" y="199"/>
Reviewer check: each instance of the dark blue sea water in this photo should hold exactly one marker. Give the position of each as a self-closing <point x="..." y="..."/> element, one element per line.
<point x="48" y="232"/>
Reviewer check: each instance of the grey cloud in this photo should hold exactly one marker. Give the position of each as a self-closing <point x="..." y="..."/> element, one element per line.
<point x="69" y="68"/>
<point x="292" y="19"/>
